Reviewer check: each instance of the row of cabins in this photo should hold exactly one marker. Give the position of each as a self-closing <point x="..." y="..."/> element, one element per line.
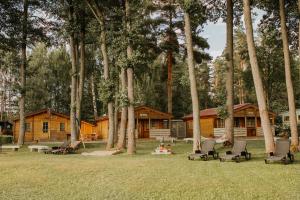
<point x="47" y="125"/>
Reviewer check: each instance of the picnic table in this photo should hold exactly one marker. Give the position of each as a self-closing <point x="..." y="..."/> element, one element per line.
<point x="38" y="148"/>
<point x="12" y="147"/>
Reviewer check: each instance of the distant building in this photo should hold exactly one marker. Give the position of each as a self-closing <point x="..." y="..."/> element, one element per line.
<point x="5" y="128"/>
<point x="285" y="116"/>
<point x="149" y="123"/>
<point x="47" y="125"/>
<point x="246" y="122"/>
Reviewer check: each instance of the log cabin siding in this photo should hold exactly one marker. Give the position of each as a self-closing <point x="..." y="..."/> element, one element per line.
<point x="246" y="122"/>
<point x="55" y="121"/>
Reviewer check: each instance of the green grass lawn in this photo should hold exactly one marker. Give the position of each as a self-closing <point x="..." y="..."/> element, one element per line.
<point x="26" y="175"/>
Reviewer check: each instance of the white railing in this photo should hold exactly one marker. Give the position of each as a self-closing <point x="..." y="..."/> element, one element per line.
<point x="154" y="133"/>
<point x="237" y="131"/>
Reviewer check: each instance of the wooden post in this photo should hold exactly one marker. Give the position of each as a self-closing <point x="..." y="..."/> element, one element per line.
<point x="49" y="125"/>
<point x="32" y="128"/>
<point x="137" y="125"/>
<point x="149" y="124"/>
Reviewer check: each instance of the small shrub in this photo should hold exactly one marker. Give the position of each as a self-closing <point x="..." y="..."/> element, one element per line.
<point x="6" y="139"/>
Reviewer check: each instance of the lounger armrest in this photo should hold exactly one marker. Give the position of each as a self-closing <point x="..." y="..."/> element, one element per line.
<point x="228" y="152"/>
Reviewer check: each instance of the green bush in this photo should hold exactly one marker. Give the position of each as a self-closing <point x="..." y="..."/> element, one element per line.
<point x="6" y="139"/>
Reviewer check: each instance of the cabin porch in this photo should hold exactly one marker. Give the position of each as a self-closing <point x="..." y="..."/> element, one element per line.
<point x="249" y="126"/>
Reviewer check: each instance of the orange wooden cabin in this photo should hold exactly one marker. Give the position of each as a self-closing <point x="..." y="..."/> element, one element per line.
<point x="246" y="122"/>
<point x="149" y="123"/>
<point x="47" y="125"/>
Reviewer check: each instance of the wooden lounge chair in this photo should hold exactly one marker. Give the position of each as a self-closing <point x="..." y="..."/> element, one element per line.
<point x="59" y="149"/>
<point x="282" y="152"/>
<point x="239" y="149"/>
<point x="208" y="149"/>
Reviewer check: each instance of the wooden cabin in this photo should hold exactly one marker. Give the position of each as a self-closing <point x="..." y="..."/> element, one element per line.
<point x="149" y="122"/>
<point x="246" y="122"/>
<point x="285" y="116"/>
<point x="47" y="125"/>
<point x="6" y="128"/>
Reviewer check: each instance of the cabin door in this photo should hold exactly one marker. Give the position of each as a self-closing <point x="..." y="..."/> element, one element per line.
<point x="251" y="130"/>
<point x="144" y="129"/>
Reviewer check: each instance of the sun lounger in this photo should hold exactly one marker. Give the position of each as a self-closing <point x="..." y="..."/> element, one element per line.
<point x="59" y="149"/>
<point x="282" y="152"/>
<point x="72" y="148"/>
<point x="238" y="151"/>
<point x="208" y="148"/>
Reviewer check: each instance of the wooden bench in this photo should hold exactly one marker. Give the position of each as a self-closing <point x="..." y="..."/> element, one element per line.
<point x="12" y="147"/>
<point x="38" y="148"/>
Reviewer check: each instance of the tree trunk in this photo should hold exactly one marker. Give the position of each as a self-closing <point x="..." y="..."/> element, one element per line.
<point x="94" y="97"/>
<point x="288" y="78"/>
<point x="73" y="80"/>
<point x="80" y="77"/>
<point x="299" y="36"/>
<point x="169" y="82"/>
<point x="116" y="112"/>
<point x="229" y="130"/>
<point x="131" y="149"/>
<point x="299" y="45"/>
<point x="22" y="74"/>
<point x="264" y="114"/>
<point x="100" y="18"/>
<point x="122" y="135"/>
<point x="193" y="85"/>
<point x="110" y="141"/>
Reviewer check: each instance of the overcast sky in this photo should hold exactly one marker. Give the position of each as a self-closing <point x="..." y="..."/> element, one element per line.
<point x="216" y="34"/>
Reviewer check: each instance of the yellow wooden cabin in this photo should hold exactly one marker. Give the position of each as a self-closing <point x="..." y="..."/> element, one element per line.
<point x="47" y="125"/>
<point x="246" y="122"/>
<point x="149" y="123"/>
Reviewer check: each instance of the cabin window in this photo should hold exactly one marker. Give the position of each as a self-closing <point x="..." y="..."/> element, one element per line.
<point x="45" y="127"/>
<point x="27" y="127"/>
<point x="220" y="123"/>
<point x="250" y="121"/>
<point x="155" y="124"/>
<point x="62" y="127"/>
<point x="239" y="122"/>
<point x="286" y="118"/>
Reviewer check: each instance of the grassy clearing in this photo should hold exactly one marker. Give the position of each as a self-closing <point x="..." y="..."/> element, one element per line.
<point x="26" y="175"/>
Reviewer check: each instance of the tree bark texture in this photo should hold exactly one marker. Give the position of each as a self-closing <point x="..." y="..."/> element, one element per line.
<point x="263" y="111"/>
<point x="131" y="147"/>
<point x="229" y="130"/>
<point x="122" y="135"/>
<point x="193" y="85"/>
<point x="288" y="77"/>
<point x="23" y="73"/>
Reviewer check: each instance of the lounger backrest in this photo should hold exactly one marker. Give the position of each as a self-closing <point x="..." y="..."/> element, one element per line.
<point x="282" y="147"/>
<point x="208" y="145"/>
<point x="239" y="147"/>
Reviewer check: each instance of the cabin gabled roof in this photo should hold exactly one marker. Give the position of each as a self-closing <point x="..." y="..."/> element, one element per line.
<point x="137" y="110"/>
<point x="49" y="111"/>
<point x="212" y="112"/>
